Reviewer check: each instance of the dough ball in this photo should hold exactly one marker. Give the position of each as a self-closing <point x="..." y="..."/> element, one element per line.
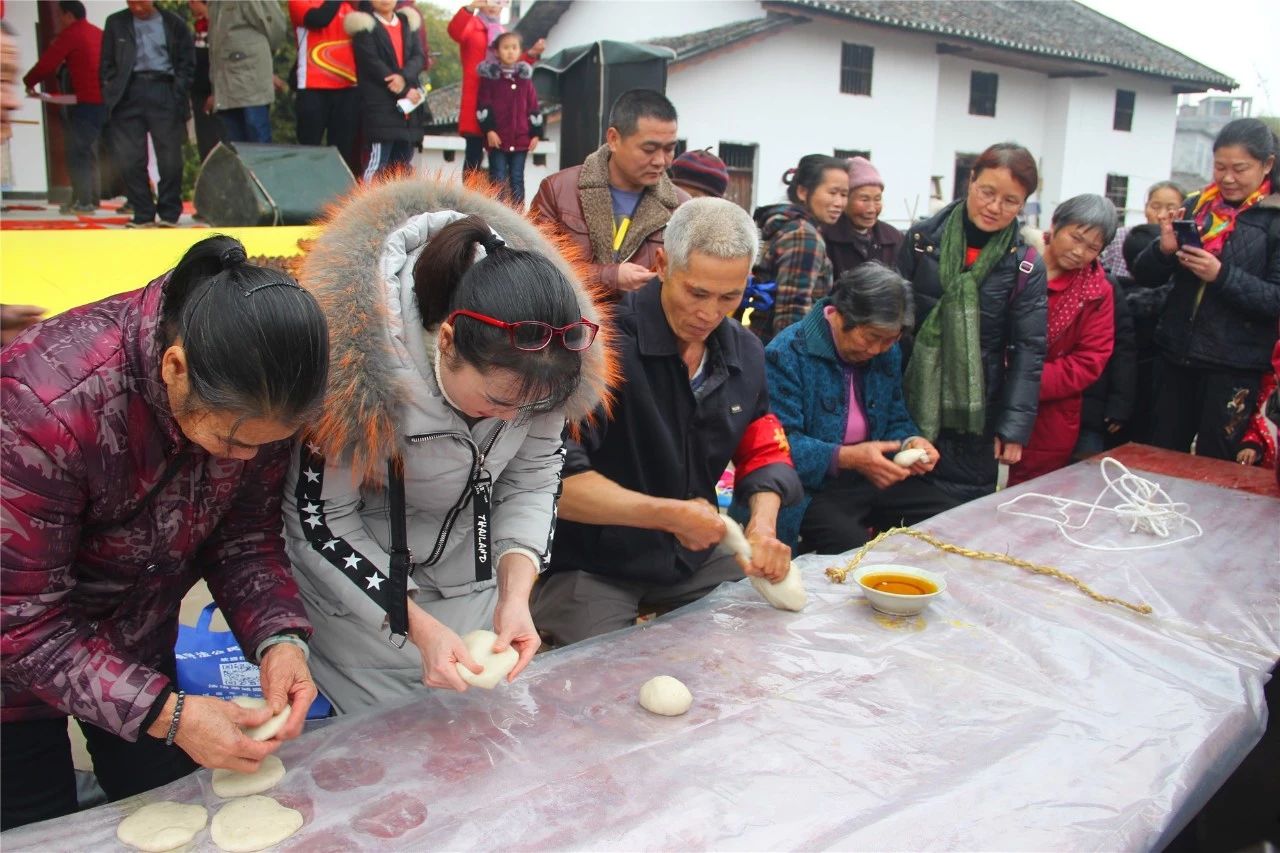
<point x="735" y="539"/>
<point x="786" y="594"/>
<point x="496" y="666"/>
<point x="271" y="727"/>
<point x="665" y="695"/>
<point x="907" y="458"/>
<point x="229" y="783"/>
<point x="157" y="827"/>
<point x="253" y="823"/>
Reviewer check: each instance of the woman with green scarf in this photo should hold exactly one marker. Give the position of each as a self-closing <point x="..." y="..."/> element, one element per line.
<point x="973" y="380"/>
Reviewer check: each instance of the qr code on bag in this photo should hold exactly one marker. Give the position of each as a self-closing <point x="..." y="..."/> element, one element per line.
<point x="239" y="674"/>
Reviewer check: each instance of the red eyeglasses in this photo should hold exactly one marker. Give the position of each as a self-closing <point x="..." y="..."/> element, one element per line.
<point x="532" y="335"/>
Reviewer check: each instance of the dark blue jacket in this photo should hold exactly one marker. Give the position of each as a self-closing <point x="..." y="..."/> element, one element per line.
<point x="809" y="394"/>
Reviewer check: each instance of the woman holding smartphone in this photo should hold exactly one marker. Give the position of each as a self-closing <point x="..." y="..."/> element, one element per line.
<point x="1219" y="323"/>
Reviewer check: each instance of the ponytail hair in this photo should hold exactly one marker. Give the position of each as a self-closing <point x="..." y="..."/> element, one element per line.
<point x="507" y="284"/>
<point x="1258" y="139"/>
<point x="809" y="173"/>
<point x="257" y="344"/>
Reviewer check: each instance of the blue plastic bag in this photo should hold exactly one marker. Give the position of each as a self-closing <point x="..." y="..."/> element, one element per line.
<point x="210" y="663"/>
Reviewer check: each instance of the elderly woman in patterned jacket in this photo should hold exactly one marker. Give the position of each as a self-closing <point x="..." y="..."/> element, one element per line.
<point x="144" y="447"/>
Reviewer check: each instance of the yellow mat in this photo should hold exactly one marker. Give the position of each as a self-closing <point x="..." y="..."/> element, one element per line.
<point x="58" y="270"/>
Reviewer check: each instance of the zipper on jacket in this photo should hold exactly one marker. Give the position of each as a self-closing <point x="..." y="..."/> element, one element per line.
<point x="478" y="457"/>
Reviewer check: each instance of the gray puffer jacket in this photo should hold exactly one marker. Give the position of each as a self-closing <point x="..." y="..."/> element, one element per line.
<point x="384" y="402"/>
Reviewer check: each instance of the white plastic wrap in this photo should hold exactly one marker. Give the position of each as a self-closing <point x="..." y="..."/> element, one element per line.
<point x="1013" y="714"/>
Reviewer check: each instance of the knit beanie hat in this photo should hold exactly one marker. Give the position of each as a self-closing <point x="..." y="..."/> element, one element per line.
<point x="702" y="170"/>
<point x="863" y="174"/>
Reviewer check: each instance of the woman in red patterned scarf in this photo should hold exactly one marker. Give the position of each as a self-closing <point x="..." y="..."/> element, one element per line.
<point x="1219" y="323"/>
<point x="1081" y="330"/>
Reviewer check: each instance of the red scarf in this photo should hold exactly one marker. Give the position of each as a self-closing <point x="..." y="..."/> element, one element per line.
<point x="1068" y="294"/>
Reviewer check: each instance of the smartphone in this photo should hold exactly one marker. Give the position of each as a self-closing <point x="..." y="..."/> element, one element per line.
<point x="1187" y="233"/>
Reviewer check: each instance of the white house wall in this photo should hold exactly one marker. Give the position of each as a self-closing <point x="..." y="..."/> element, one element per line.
<point x="1020" y="98"/>
<point x="635" y="20"/>
<point x="737" y="97"/>
<point x="1093" y="149"/>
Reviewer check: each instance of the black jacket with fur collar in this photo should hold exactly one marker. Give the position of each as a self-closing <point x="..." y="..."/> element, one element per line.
<point x="375" y="61"/>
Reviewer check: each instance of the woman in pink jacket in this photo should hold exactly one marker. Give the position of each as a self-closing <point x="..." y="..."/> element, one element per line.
<point x="1081" y="330"/>
<point x="143" y="445"/>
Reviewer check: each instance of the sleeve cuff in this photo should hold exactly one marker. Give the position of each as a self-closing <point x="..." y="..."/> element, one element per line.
<point x="532" y="555"/>
<point x="156" y="709"/>
<point x="777" y="477"/>
<point x="291" y="639"/>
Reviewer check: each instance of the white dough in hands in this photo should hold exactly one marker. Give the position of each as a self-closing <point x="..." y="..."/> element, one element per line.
<point x="228" y="783"/>
<point x="907" y="458"/>
<point x="157" y="827"/>
<point x="786" y="594"/>
<point x="735" y="539"/>
<point x="271" y="727"/>
<point x="253" y="823"/>
<point x="665" y="695"/>
<point x="496" y="665"/>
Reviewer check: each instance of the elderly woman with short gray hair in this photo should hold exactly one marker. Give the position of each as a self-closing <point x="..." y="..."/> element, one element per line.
<point x="835" y="382"/>
<point x="1081" y="330"/>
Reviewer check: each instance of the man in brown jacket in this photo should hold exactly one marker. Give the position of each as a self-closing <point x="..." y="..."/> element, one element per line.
<point x="616" y="204"/>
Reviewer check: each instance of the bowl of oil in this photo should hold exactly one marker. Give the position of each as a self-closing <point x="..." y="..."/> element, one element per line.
<point x="899" y="590"/>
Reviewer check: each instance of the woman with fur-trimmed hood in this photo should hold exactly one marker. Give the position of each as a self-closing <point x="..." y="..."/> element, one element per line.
<point x="423" y="503"/>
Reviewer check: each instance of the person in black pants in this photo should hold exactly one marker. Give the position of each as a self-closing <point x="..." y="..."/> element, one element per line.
<point x="208" y="128"/>
<point x="327" y="104"/>
<point x="148" y="63"/>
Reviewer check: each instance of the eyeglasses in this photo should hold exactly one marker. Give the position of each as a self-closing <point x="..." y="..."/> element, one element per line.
<point x="988" y="195"/>
<point x="532" y="335"/>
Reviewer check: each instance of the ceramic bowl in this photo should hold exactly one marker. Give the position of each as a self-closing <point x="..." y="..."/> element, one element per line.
<point x="896" y="604"/>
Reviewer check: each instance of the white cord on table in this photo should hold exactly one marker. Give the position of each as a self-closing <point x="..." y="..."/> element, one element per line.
<point x="1143" y="503"/>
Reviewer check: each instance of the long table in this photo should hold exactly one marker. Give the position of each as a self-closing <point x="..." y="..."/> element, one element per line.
<point x="1013" y="714"/>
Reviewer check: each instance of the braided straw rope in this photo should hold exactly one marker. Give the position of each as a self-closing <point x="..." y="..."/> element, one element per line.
<point x="838" y="574"/>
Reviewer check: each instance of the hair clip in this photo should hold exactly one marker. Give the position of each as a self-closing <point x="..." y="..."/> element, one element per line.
<point x="255" y="289"/>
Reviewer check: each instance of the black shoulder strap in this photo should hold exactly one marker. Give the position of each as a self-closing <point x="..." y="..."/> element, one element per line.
<point x="1025" y="267"/>
<point x="398" y="594"/>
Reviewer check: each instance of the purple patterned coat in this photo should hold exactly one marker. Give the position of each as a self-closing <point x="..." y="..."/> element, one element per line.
<point x="88" y="604"/>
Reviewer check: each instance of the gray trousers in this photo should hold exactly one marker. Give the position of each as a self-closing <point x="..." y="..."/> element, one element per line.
<point x="571" y="606"/>
<point x="358" y="668"/>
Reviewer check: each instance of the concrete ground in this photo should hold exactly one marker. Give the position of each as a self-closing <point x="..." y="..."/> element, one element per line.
<point x="23" y="211"/>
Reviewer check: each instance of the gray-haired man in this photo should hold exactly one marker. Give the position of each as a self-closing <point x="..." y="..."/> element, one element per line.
<point x="639" y="527"/>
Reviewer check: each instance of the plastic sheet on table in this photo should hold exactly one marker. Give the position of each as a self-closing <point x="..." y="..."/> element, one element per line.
<point x="1013" y="714"/>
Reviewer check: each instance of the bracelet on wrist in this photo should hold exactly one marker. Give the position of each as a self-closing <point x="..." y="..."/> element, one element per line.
<point x="177" y="715"/>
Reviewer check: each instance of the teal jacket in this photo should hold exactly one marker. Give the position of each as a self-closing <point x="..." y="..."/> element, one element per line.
<point x="810" y="395"/>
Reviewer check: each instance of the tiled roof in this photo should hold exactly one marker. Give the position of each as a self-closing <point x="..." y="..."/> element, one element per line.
<point x="444" y="103"/>
<point x="1060" y="29"/>
<point x="695" y="44"/>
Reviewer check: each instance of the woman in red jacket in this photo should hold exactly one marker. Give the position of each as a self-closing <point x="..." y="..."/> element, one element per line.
<point x="143" y="445"/>
<point x="1081" y="330"/>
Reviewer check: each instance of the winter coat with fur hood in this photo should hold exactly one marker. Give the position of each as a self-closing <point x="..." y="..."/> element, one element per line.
<point x="576" y="201"/>
<point x="375" y="61"/>
<point x="384" y="402"/>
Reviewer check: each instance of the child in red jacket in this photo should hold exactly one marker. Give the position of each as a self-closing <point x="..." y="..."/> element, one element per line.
<point x="508" y="112"/>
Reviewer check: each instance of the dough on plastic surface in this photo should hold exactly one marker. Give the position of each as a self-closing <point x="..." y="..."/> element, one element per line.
<point x="253" y="823"/>
<point x="665" y="695"/>
<point x="229" y="783"/>
<point x="157" y="827"/>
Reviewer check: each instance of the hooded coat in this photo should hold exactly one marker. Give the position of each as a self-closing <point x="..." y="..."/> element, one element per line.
<point x="375" y="61"/>
<point x="384" y="403"/>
